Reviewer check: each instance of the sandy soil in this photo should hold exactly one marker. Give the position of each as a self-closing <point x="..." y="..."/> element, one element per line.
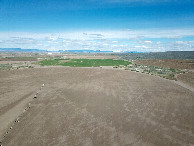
<point x="93" y="106"/>
<point x="168" y="63"/>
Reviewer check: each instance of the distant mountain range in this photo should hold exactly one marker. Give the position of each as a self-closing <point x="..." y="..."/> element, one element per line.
<point x="38" y="50"/>
<point x="158" y="55"/>
<point x="86" y="51"/>
<point x="65" y="51"/>
<point x="20" y="50"/>
<point x="82" y="51"/>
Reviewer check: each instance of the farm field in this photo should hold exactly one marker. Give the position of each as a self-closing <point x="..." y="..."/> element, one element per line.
<point x="12" y="61"/>
<point x="93" y="106"/>
<point x="84" y="62"/>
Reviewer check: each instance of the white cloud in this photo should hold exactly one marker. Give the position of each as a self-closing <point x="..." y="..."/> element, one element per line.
<point x="114" y="41"/>
<point x="158" y="43"/>
<point x="148" y="42"/>
<point x="128" y="40"/>
<point x="141" y="47"/>
<point x="111" y="34"/>
<point x="180" y="42"/>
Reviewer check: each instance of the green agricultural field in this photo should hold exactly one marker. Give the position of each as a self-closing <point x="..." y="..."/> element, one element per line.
<point x="84" y="62"/>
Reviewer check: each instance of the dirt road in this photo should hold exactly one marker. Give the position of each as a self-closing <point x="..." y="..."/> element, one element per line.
<point x="93" y="106"/>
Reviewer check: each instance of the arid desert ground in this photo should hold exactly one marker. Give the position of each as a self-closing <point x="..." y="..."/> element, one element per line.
<point x="93" y="106"/>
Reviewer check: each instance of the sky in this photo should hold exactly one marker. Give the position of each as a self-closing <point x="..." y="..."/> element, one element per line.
<point x="111" y="25"/>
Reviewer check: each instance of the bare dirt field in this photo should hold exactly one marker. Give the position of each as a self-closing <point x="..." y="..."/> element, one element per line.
<point x="93" y="106"/>
<point x="168" y="63"/>
<point x="187" y="78"/>
<point x="15" y="59"/>
<point x="11" y="62"/>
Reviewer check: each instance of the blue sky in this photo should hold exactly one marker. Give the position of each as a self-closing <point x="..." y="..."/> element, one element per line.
<point x="118" y="25"/>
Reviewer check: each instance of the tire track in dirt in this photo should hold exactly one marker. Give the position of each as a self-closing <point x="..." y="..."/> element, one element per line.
<point x="12" y="107"/>
<point x="3" y="110"/>
<point x="184" y="85"/>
